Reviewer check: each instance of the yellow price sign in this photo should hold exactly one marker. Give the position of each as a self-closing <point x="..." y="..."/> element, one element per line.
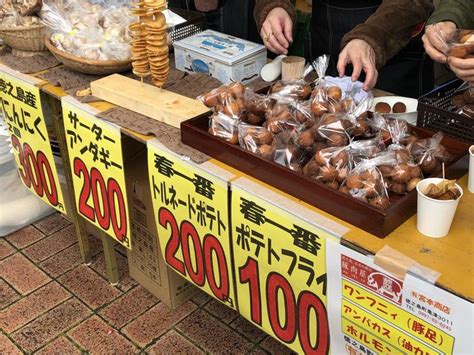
<point x="280" y="262"/>
<point x="191" y="213"/>
<point x="95" y="155"/>
<point x="23" y="115"/>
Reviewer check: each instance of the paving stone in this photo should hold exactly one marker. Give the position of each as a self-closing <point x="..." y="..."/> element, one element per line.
<point x="8" y="295"/>
<point x="60" y="346"/>
<point x="7" y="347"/>
<point x="129" y="306"/>
<point x="125" y="281"/>
<point x="221" y="311"/>
<point x="25" y="236"/>
<point x="69" y="258"/>
<point x="273" y="346"/>
<point x="248" y="330"/>
<point x="52" y="244"/>
<point x="201" y="298"/>
<point x="52" y="223"/>
<point x="174" y="343"/>
<point x="45" y="328"/>
<point x="99" y="338"/>
<point x="62" y="262"/>
<point x="155" y="322"/>
<point x="85" y="284"/>
<point x="212" y="335"/>
<point x="22" y="274"/>
<point x="31" y="306"/>
<point x="258" y="351"/>
<point x="6" y="249"/>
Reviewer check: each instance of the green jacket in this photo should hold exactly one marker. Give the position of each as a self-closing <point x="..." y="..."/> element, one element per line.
<point x="461" y="12"/>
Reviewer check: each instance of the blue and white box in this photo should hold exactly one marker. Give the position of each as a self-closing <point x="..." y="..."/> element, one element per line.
<point x="224" y="57"/>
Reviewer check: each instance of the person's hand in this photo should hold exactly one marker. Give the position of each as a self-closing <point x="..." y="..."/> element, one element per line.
<point x="362" y="57"/>
<point x="463" y="68"/>
<point x="277" y="31"/>
<point x="435" y="38"/>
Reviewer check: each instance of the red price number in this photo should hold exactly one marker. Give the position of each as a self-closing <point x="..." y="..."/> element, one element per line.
<point x="205" y="255"/>
<point x="106" y="199"/>
<point x="296" y="312"/>
<point x="36" y="171"/>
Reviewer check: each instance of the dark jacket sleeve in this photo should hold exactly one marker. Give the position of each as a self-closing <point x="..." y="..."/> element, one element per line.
<point x="461" y="12"/>
<point x="390" y="28"/>
<point x="263" y="7"/>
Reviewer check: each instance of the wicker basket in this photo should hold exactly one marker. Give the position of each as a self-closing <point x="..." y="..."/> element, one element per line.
<point x="28" y="38"/>
<point x="86" y="66"/>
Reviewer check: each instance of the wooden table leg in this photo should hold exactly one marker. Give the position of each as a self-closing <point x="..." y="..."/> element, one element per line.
<point x="110" y="259"/>
<point x="78" y="222"/>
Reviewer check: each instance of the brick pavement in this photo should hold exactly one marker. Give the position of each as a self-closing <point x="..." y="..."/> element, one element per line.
<point x="52" y="304"/>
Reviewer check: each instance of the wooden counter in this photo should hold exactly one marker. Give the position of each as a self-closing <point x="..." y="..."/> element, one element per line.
<point x="451" y="256"/>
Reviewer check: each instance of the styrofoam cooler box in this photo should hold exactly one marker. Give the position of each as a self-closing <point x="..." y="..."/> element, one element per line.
<point x="224" y="57"/>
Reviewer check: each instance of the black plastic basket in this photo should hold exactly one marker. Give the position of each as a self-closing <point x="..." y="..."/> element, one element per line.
<point x="434" y="113"/>
<point x="195" y="23"/>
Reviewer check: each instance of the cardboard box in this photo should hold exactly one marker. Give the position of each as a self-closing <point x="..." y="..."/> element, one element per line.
<point x="222" y="56"/>
<point x="145" y="260"/>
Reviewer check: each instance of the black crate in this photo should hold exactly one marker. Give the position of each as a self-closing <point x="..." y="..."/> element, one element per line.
<point x="195" y="23"/>
<point x="434" y="113"/>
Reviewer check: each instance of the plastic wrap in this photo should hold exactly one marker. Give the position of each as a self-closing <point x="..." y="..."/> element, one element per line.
<point x="462" y="102"/>
<point x="11" y="17"/>
<point x="256" y="139"/>
<point x="287" y="152"/>
<point x="331" y="165"/>
<point x="456" y="43"/>
<point x="256" y="107"/>
<point x="89" y="30"/>
<point x="227" y="99"/>
<point x="331" y="131"/>
<point x="429" y="153"/>
<point x="224" y="127"/>
<point x="294" y="90"/>
<point x="366" y="183"/>
<point x="280" y="117"/>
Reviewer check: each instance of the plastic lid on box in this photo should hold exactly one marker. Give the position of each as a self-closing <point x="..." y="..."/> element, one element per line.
<point x="220" y="46"/>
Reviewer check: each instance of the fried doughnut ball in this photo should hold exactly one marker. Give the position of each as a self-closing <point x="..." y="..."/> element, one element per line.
<point x="334" y="92"/>
<point x="311" y="169"/>
<point x="380" y="202"/>
<point x="383" y="107"/>
<point x="399" y="107"/>
<point x="265" y="151"/>
<point x="328" y="173"/>
<point x="306" y="139"/>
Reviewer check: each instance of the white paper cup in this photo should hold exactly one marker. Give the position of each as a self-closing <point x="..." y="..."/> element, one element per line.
<point x="434" y="217"/>
<point x="470" y="184"/>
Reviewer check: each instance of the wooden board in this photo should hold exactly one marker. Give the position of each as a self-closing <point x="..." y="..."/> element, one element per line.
<point x="148" y="100"/>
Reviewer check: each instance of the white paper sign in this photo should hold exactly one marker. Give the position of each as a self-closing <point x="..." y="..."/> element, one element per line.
<point x="373" y="312"/>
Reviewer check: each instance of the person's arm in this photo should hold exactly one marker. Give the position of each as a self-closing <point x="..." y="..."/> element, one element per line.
<point x="275" y="23"/>
<point x="391" y="27"/>
<point x="263" y="7"/>
<point x="450" y="15"/>
<point x="460" y="12"/>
